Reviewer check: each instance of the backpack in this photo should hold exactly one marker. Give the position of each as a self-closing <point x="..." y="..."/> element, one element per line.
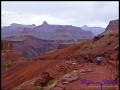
<point x="98" y="58"/>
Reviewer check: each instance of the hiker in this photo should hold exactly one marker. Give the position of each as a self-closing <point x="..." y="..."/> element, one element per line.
<point x="89" y="58"/>
<point x="98" y="59"/>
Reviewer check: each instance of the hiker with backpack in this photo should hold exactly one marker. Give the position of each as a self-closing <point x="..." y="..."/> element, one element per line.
<point x="98" y="59"/>
<point x="89" y="58"/>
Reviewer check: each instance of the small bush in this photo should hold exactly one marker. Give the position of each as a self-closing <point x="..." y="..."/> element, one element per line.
<point x="109" y="42"/>
<point x="108" y="53"/>
<point x="86" y="46"/>
<point x="111" y="34"/>
<point x="38" y="88"/>
<point x="96" y="38"/>
<point x="51" y="82"/>
<point x="7" y="65"/>
<point x="101" y="36"/>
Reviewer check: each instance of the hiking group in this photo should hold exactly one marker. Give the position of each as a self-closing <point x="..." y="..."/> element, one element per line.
<point x="90" y="59"/>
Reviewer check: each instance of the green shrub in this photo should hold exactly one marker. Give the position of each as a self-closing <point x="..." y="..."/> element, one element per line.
<point x="38" y="88"/>
<point x="108" y="53"/>
<point x="86" y="46"/>
<point x="7" y="65"/>
<point x="109" y="42"/>
<point x="51" y="82"/>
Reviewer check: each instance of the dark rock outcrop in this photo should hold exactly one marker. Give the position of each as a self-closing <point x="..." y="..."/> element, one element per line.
<point x="112" y="26"/>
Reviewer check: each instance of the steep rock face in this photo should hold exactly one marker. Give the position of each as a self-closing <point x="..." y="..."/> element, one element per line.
<point x="113" y="25"/>
<point x="5" y="45"/>
<point x="8" y="56"/>
<point x="33" y="47"/>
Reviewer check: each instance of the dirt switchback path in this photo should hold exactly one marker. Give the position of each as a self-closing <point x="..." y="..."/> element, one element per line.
<point x="95" y="73"/>
<point x="92" y="73"/>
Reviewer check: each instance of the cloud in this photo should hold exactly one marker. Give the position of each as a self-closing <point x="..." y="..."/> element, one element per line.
<point x="32" y="18"/>
<point x="57" y="12"/>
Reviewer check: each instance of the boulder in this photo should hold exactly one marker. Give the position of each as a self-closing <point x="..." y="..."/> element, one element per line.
<point x="89" y="70"/>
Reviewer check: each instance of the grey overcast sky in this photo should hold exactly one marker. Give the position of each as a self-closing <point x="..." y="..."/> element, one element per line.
<point x="76" y="13"/>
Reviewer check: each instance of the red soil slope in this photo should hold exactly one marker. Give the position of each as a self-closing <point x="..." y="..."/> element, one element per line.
<point x="106" y="43"/>
<point x="63" y="61"/>
<point x="8" y="56"/>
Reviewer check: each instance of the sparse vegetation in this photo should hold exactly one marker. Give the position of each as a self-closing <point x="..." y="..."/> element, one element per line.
<point x="51" y="82"/>
<point x="44" y="80"/>
<point x="86" y="46"/>
<point x="101" y="36"/>
<point x="38" y="88"/>
<point x="7" y="65"/>
<point x="108" y="53"/>
<point x="96" y="38"/>
<point x="111" y="34"/>
<point x="109" y="42"/>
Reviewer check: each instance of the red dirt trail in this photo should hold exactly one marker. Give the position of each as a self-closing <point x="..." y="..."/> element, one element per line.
<point x="98" y="74"/>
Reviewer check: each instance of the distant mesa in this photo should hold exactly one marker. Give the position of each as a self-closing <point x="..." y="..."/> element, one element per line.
<point x="45" y="23"/>
<point x="48" y="32"/>
<point x="33" y="24"/>
<point x="95" y="30"/>
<point x="85" y="26"/>
<point x="13" y="24"/>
